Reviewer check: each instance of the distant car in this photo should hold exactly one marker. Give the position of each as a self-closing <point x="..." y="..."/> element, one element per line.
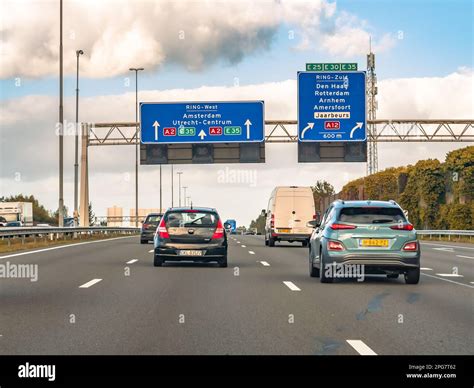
<point x="13" y="224"/>
<point x="149" y="227"/>
<point x="3" y="221"/>
<point x="190" y="234"/>
<point x="372" y="234"/>
<point x="43" y="225"/>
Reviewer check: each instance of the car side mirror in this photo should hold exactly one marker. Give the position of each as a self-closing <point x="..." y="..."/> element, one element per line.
<point x="312" y="224"/>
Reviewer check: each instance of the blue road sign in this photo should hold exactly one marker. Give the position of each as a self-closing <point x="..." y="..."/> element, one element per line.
<point x="331" y="106"/>
<point x="202" y="122"/>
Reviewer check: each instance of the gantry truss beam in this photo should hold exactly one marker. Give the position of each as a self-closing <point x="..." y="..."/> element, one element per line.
<point x="285" y="131"/>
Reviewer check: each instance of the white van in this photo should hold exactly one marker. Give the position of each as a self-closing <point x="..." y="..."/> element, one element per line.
<point x="289" y="209"/>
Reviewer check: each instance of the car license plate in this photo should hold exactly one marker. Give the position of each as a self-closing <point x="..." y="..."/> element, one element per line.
<point x="373" y="242"/>
<point x="190" y="253"/>
<point x="284" y="230"/>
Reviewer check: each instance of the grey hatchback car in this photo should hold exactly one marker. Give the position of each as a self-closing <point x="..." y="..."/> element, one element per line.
<point x="372" y="237"/>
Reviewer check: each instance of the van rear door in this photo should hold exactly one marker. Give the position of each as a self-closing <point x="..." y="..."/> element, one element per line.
<point x="303" y="211"/>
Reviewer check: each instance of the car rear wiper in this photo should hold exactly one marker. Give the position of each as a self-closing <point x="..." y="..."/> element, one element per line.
<point x="382" y="221"/>
<point x="193" y="221"/>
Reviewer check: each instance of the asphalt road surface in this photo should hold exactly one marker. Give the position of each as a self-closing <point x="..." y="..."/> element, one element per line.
<point x="263" y="303"/>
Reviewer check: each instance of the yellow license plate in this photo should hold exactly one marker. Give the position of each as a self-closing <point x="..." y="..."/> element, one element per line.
<point x="374" y="243"/>
<point x="284" y="230"/>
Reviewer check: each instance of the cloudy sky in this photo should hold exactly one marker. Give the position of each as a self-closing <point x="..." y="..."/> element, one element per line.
<point x="216" y="50"/>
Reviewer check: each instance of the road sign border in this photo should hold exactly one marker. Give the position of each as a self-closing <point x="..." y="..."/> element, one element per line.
<point x="204" y="102"/>
<point x="298" y="106"/>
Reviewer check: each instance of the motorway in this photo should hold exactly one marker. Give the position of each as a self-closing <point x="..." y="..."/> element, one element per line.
<point x="263" y="303"/>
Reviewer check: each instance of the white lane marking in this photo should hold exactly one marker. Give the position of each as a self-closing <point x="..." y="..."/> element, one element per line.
<point x="238" y="242"/>
<point x="265" y="264"/>
<point x="465" y="257"/>
<point x="244" y="246"/>
<point x="450" y="275"/>
<point x="448" y="280"/>
<point x="90" y="284"/>
<point x="291" y="286"/>
<point x="361" y="348"/>
<point x="61" y="246"/>
<point x="449" y="246"/>
<point x="151" y="251"/>
<point x="252" y="252"/>
<point x="471" y="282"/>
<point x="132" y="261"/>
<point x="426" y="269"/>
<point x="444" y="249"/>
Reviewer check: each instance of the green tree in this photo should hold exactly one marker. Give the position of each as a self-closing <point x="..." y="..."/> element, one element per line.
<point x="321" y="190"/>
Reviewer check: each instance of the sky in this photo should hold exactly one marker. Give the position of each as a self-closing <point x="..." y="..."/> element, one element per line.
<point x="216" y="50"/>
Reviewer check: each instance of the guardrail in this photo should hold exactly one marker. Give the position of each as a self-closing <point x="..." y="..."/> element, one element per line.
<point x="55" y="233"/>
<point x="448" y="233"/>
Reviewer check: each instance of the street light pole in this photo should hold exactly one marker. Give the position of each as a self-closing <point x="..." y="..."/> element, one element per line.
<point x="76" y="143"/>
<point x="179" y="184"/>
<point x="136" y="70"/>
<point x="172" y="186"/>
<point x="161" y="193"/>
<point x="61" y="120"/>
<point x="184" y="188"/>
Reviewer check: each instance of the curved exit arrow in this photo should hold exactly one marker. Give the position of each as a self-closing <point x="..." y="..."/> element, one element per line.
<point x="309" y="126"/>
<point x="357" y="126"/>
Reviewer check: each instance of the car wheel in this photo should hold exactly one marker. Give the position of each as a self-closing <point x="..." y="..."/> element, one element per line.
<point x="266" y="241"/>
<point x="223" y="262"/>
<point x="271" y="242"/>
<point x="393" y="275"/>
<point x="322" y="270"/>
<point x="313" y="271"/>
<point x="157" y="261"/>
<point x="412" y="276"/>
<point x="304" y="243"/>
<point x="143" y="241"/>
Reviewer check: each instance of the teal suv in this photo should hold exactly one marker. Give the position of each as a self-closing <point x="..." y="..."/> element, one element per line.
<point x="364" y="237"/>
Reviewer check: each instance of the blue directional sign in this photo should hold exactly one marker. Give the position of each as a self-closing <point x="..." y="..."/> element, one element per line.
<point x="202" y="122"/>
<point x="331" y="106"/>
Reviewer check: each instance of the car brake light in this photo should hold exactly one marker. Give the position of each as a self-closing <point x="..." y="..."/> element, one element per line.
<point x="219" y="232"/>
<point x="190" y="211"/>
<point x="272" y="221"/>
<point x="402" y="227"/>
<point x="161" y="230"/>
<point x="342" y="226"/>
<point x="335" y="246"/>
<point x="411" y="246"/>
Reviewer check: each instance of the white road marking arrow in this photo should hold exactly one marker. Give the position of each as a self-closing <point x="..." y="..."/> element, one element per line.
<point x="357" y="126"/>
<point x="309" y="126"/>
<point x="156" y="124"/>
<point x="202" y="134"/>
<point x="248" y="123"/>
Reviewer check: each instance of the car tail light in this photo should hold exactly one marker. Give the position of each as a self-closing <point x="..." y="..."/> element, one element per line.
<point x="411" y="246"/>
<point x="402" y="227"/>
<point x="161" y="230"/>
<point x="272" y="221"/>
<point x="190" y="211"/>
<point x="219" y="232"/>
<point x="342" y="226"/>
<point x="335" y="245"/>
<point x="315" y="216"/>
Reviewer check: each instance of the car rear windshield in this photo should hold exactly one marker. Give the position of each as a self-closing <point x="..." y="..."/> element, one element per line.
<point x="184" y="219"/>
<point x="154" y="219"/>
<point x="371" y="215"/>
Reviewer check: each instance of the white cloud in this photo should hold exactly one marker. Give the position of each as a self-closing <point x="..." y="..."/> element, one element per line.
<point x="117" y="34"/>
<point x="28" y="145"/>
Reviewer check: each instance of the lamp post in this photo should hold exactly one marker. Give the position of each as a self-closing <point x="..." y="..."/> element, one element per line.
<point x="76" y="142"/>
<point x="172" y="188"/>
<point x="61" y="120"/>
<point x="136" y="70"/>
<point x="179" y="185"/>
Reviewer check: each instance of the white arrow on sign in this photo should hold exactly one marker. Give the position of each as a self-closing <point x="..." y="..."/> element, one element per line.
<point x="357" y="126"/>
<point x="248" y="123"/>
<point x="202" y="134"/>
<point x="156" y="124"/>
<point x="309" y="126"/>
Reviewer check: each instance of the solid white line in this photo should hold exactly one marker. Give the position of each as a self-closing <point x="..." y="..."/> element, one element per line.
<point x="449" y="246"/>
<point x="465" y="257"/>
<point x="252" y="252"/>
<point x="448" y="280"/>
<point x="132" y="261"/>
<point x="62" y="246"/>
<point x="91" y="283"/>
<point x="291" y="286"/>
<point x="151" y="251"/>
<point x="444" y="249"/>
<point x="450" y="275"/>
<point x="265" y="264"/>
<point x="244" y="246"/>
<point x="426" y="269"/>
<point x="361" y="348"/>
